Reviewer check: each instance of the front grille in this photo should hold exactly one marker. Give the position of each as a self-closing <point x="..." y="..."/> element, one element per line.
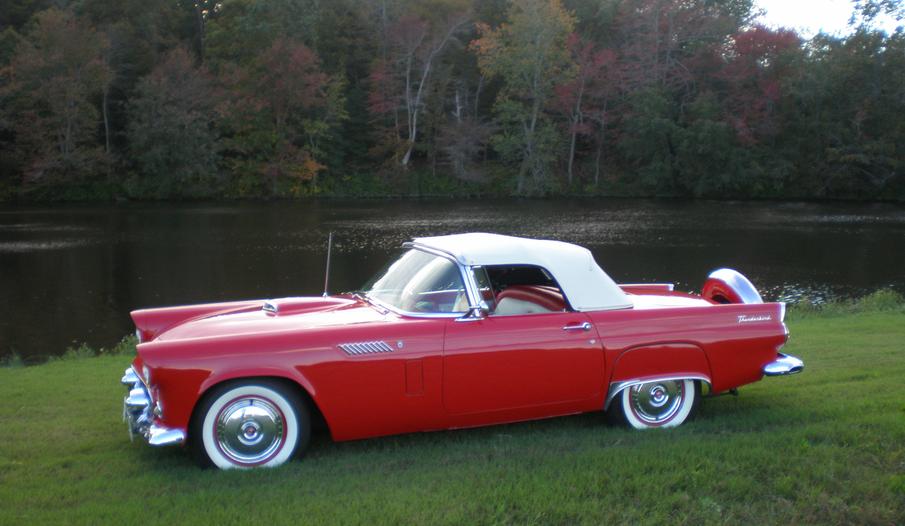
<point x="360" y="348"/>
<point x="138" y="404"/>
<point x="141" y="412"/>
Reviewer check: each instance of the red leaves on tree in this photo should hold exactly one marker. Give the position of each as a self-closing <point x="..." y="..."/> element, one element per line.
<point x="387" y="79"/>
<point x="583" y="99"/>
<point x="59" y="68"/>
<point x="400" y="78"/>
<point x="754" y="73"/>
<point x="289" y="79"/>
<point x="595" y="78"/>
<point x="407" y="33"/>
<point x="380" y="97"/>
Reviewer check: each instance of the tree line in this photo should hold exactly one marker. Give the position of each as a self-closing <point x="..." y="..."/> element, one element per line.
<point x="157" y="99"/>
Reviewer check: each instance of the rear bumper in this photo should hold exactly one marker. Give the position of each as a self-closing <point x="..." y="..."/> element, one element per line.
<point x="139" y="412"/>
<point x="784" y="364"/>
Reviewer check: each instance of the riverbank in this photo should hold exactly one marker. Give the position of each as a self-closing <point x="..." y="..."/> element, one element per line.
<point x="410" y="186"/>
<point x="823" y="447"/>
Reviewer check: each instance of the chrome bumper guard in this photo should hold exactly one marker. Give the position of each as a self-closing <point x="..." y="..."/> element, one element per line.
<point x="783" y="365"/>
<point x="138" y="411"/>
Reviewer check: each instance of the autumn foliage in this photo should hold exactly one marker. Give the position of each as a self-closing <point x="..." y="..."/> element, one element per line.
<point x="53" y="83"/>
<point x="268" y="98"/>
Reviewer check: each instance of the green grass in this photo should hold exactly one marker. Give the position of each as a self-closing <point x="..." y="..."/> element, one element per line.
<point x="823" y="447"/>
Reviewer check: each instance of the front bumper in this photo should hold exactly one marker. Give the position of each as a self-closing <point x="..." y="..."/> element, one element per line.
<point x="138" y="412"/>
<point x="783" y="365"/>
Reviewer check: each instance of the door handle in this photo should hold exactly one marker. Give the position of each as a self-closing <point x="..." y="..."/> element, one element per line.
<point x="580" y="327"/>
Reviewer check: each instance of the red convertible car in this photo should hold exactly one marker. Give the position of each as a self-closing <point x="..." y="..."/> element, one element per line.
<point x="458" y="331"/>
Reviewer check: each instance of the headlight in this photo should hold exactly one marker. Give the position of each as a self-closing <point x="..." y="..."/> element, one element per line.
<point x="146" y="374"/>
<point x="138" y="335"/>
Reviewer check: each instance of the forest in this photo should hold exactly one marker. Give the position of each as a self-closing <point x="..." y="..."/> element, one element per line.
<point x="231" y="99"/>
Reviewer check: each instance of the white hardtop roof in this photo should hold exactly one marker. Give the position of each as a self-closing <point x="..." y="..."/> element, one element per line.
<point x="585" y="284"/>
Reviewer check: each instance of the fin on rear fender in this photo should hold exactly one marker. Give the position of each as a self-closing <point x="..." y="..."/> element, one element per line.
<point x="726" y="285"/>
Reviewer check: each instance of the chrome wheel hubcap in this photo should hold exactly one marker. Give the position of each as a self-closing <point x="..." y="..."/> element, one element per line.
<point x="656" y="403"/>
<point x="250" y="430"/>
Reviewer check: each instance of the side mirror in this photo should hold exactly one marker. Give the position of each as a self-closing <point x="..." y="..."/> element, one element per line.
<point x="476" y="312"/>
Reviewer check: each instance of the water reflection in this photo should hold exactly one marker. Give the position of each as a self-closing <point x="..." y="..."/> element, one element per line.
<point x="71" y="274"/>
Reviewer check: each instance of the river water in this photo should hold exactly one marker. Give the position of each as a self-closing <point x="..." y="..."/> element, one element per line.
<point x="71" y="274"/>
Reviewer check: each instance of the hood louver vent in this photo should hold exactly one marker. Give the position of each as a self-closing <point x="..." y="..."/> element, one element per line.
<point x="360" y="348"/>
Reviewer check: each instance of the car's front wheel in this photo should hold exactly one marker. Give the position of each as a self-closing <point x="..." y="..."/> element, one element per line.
<point x="666" y="403"/>
<point x="248" y="424"/>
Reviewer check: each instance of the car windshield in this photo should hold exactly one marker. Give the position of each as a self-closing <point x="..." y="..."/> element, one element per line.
<point x="418" y="281"/>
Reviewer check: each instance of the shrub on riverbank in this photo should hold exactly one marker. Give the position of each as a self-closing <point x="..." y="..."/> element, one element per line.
<point x="124" y="347"/>
<point x="879" y="301"/>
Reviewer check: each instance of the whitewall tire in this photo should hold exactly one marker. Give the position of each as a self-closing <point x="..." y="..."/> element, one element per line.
<point x="658" y="404"/>
<point x="250" y="424"/>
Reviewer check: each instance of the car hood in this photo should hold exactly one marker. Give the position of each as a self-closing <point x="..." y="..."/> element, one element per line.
<point x="287" y="314"/>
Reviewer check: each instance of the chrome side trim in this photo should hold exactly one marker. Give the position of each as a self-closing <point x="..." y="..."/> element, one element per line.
<point x="270" y="308"/>
<point x="617" y="387"/>
<point x="361" y="348"/>
<point x="783" y="365"/>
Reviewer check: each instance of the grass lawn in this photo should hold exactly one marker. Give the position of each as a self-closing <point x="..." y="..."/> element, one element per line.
<point x="823" y="447"/>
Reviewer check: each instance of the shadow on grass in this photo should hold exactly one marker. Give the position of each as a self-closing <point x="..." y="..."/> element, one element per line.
<point x="716" y="416"/>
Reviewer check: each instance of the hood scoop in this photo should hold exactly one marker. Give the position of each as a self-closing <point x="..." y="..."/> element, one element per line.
<point x="284" y="306"/>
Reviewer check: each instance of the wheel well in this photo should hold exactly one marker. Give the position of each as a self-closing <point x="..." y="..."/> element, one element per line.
<point x="701" y="383"/>
<point x="318" y="422"/>
<point x="614" y="412"/>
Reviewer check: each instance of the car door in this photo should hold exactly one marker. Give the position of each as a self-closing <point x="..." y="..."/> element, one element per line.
<point x="502" y="363"/>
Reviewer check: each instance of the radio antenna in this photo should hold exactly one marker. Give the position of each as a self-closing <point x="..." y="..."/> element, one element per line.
<point x="327" y="272"/>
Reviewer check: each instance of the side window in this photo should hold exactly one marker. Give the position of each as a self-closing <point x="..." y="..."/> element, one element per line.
<point x="523" y="289"/>
<point x="485" y="289"/>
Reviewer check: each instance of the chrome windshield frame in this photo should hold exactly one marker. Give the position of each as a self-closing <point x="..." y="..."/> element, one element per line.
<point x="470" y="288"/>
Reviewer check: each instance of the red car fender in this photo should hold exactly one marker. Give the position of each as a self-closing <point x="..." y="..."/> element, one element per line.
<point x="658" y="361"/>
<point x="150" y="323"/>
<point x="184" y="389"/>
<point x="260" y="372"/>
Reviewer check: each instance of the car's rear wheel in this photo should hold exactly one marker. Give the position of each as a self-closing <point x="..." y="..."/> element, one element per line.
<point x="666" y="403"/>
<point x="248" y="424"/>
